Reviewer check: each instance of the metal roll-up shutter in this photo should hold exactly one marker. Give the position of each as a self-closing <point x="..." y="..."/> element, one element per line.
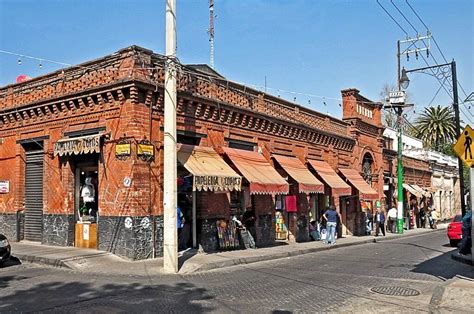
<point x="34" y="195"/>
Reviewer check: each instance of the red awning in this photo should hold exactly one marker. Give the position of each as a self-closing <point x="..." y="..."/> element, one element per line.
<point x="263" y="178"/>
<point x="366" y="192"/>
<point x="331" y="178"/>
<point x="307" y="182"/>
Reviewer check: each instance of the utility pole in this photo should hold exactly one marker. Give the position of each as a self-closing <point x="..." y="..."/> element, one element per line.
<point x="458" y="130"/>
<point x="211" y="31"/>
<point x="170" y="238"/>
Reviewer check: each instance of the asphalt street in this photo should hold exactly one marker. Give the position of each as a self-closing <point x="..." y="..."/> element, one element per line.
<point x="398" y="275"/>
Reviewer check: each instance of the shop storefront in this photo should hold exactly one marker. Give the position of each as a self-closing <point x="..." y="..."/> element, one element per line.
<point x="336" y="191"/>
<point x="211" y="176"/>
<point x="82" y="155"/>
<point x="296" y="210"/>
<point x="261" y="188"/>
<point x="364" y="200"/>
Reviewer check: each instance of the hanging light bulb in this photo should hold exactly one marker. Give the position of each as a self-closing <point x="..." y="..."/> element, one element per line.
<point x="19" y="61"/>
<point x="416" y="54"/>
<point x="408" y="57"/>
<point x="41" y="64"/>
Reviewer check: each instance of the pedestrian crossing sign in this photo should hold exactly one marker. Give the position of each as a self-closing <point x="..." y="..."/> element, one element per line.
<point x="464" y="146"/>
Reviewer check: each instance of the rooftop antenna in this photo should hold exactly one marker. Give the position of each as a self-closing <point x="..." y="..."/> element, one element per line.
<point x="211" y="31"/>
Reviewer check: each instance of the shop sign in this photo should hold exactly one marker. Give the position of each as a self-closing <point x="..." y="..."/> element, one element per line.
<point x="216" y="183"/>
<point x="145" y="150"/>
<point x="122" y="150"/>
<point x="78" y="145"/>
<point x="4" y="186"/>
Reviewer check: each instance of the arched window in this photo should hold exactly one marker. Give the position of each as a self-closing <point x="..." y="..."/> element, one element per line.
<point x="367" y="168"/>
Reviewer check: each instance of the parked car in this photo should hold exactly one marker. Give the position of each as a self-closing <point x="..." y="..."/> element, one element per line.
<point x="455" y="230"/>
<point x="5" y="249"/>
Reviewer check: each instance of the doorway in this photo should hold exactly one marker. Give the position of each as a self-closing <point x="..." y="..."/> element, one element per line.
<point x="86" y="202"/>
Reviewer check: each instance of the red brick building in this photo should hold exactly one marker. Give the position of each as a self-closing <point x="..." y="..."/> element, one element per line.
<point x="86" y="143"/>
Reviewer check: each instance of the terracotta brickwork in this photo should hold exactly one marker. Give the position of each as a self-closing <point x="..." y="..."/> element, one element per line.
<point x="123" y="95"/>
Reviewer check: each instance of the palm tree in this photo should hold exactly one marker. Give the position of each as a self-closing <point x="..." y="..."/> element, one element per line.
<point x="436" y="127"/>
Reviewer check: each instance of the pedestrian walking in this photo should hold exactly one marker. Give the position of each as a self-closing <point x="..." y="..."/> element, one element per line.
<point x="392" y="219"/>
<point x="331" y="216"/>
<point x="466" y="241"/>
<point x="379" y="222"/>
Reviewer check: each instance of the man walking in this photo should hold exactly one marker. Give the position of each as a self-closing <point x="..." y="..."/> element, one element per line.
<point x="379" y="222"/>
<point x="392" y="218"/>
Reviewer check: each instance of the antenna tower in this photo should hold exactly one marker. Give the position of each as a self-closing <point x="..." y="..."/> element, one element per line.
<point x="211" y="31"/>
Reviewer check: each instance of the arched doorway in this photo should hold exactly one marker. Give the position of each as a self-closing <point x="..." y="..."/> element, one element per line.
<point x="367" y="168"/>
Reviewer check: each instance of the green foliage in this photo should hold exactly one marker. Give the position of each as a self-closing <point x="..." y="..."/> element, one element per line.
<point x="436" y="127"/>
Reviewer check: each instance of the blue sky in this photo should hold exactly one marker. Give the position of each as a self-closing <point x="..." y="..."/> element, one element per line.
<point x="310" y="47"/>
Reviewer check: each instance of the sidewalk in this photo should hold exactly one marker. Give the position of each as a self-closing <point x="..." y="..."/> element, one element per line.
<point x="455" y="296"/>
<point x="94" y="261"/>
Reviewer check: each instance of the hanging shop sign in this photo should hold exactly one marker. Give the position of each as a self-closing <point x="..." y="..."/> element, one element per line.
<point x="123" y="149"/>
<point x="4" y="186"/>
<point x="77" y="145"/>
<point x="145" y="150"/>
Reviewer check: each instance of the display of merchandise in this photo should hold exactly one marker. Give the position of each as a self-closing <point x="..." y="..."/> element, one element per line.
<point x="227" y="235"/>
<point x="281" y="232"/>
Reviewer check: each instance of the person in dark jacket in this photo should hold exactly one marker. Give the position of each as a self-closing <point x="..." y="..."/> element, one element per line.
<point x="379" y="222"/>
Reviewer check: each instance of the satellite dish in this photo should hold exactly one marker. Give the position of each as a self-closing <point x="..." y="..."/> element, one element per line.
<point x="22" y="78"/>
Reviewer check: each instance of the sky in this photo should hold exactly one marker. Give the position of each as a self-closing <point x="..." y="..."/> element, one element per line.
<point x="305" y="50"/>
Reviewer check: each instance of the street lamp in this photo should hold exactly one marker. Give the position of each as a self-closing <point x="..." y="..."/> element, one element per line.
<point x="404" y="80"/>
<point x="442" y="71"/>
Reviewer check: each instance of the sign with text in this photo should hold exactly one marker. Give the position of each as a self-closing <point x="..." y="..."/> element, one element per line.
<point x="77" y="145"/>
<point x="397" y="97"/>
<point x="464" y="146"/>
<point x="4" y="186"/>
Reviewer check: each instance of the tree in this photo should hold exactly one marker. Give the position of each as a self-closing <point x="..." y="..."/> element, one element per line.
<point x="435" y="127"/>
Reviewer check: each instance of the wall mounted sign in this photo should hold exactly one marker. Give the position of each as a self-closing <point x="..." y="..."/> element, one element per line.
<point x="145" y="150"/>
<point x="4" y="186"/>
<point x="123" y="150"/>
<point x="78" y="145"/>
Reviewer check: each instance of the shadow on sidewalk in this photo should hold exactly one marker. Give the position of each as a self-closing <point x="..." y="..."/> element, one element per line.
<point x="444" y="267"/>
<point x="86" y="296"/>
<point x="13" y="261"/>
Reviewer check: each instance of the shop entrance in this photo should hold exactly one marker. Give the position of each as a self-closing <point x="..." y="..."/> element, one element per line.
<point x="34" y="195"/>
<point x="86" y="201"/>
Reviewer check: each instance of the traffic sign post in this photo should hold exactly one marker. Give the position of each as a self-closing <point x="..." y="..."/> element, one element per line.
<point x="464" y="146"/>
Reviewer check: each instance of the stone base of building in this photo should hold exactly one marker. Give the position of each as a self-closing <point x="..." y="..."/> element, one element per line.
<point x="130" y="237"/>
<point x="10" y="226"/>
<point x="58" y="229"/>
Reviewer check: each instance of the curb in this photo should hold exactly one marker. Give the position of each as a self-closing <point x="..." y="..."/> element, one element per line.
<point x="42" y="261"/>
<point x="437" y="295"/>
<point x="195" y="268"/>
<point x="462" y="258"/>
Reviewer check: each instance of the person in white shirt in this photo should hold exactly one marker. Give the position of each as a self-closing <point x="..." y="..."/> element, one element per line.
<point x="392" y="219"/>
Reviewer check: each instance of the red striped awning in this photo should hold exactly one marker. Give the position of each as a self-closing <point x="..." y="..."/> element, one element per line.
<point x="307" y="182"/>
<point x="263" y="178"/>
<point x="366" y="192"/>
<point x="331" y="178"/>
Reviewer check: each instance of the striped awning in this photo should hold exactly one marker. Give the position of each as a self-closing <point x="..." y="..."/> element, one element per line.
<point x="263" y="178"/>
<point x="410" y="189"/>
<point x="307" y="182"/>
<point x="421" y="190"/>
<point x="209" y="170"/>
<point x="366" y="192"/>
<point x="330" y="177"/>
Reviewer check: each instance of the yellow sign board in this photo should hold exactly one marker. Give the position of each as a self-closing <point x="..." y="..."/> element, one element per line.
<point x="464" y="146"/>
<point x="122" y="149"/>
<point x="144" y="149"/>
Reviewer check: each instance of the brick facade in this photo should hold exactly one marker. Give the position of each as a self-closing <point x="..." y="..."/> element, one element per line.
<point x="122" y="96"/>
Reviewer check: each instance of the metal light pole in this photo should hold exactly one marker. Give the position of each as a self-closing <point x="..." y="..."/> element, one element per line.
<point x="441" y="72"/>
<point x="400" y="172"/>
<point x="170" y="238"/>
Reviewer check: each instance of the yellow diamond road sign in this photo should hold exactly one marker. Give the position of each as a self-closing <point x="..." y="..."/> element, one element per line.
<point x="464" y="146"/>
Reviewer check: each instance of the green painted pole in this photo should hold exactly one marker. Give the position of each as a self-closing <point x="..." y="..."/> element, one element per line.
<point x="400" y="175"/>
